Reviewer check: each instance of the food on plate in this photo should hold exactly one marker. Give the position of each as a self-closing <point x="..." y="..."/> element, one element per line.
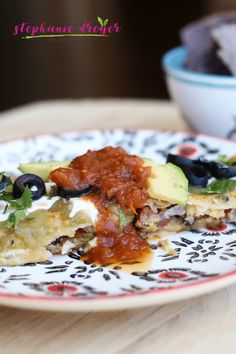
<point x="42" y="169"/>
<point x="210" y="44"/>
<point x="106" y="204"/>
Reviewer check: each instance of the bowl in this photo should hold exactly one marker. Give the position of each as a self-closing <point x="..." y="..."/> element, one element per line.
<point x="207" y="102"/>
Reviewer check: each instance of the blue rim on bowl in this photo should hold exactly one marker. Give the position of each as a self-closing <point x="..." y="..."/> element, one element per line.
<point x="172" y="63"/>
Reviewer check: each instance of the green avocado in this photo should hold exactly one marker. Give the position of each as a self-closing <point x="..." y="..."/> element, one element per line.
<point x="167" y="182"/>
<point x="42" y="169"/>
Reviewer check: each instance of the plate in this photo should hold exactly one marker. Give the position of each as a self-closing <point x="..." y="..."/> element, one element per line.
<point x="206" y="258"/>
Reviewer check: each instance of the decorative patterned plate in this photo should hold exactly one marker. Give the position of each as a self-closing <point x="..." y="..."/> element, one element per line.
<point x="206" y="258"/>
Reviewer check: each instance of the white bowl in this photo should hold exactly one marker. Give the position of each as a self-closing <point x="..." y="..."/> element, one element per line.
<point x="208" y="102"/>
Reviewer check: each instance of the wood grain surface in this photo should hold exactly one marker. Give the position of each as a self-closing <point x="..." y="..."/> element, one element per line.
<point x="202" y="325"/>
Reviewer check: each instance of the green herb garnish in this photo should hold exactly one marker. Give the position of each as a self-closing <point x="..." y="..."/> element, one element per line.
<point x="124" y="219"/>
<point x="19" y="206"/>
<point x="225" y="160"/>
<point x="220" y="187"/>
<point x="14" y="218"/>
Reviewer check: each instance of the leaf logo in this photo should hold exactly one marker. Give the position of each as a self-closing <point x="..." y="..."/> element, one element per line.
<point x="105" y="22"/>
<point x="101" y="22"/>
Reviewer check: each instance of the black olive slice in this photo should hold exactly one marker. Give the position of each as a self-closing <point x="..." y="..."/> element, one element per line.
<point x="219" y="170"/>
<point x="196" y="175"/>
<point x="205" y="163"/>
<point x="215" y="169"/>
<point x="35" y="184"/>
<point x="73" y="193"/>
<point x="5" y="181"/>
<point x="179" y="160"/>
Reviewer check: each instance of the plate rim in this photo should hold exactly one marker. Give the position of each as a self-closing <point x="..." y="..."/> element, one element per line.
<point x="55" y="133"/>
<point x="124" y="302"/>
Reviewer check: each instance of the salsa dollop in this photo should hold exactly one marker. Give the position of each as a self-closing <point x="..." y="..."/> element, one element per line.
<point x="119" y="187"/>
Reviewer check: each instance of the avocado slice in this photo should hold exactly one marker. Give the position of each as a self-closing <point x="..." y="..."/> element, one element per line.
<point x="42" y="169"/>
<point x="167" y="182"/>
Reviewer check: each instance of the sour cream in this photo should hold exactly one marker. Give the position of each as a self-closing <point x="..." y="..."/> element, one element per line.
<point x="45" y="203"/>
<point x="79" y="204"/>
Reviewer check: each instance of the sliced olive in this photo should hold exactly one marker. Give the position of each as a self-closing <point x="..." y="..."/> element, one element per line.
<point x="73" y="193"/>
<point x="5" y="181"/>
<point x="35" y="184"/>
<point x="179" y="160"/>
<point x="215" y="169"/>
<point x="196" y="175"/>
<point x="219" y="170"/>
<point x="208" y="165"/>
<point x="229" y="172"/>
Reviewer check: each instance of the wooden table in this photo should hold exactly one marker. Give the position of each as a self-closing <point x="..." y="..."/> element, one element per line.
<point x="196" y="326"/>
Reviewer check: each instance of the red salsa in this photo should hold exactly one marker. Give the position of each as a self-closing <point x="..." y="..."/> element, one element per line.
<point x="118" y="179"/>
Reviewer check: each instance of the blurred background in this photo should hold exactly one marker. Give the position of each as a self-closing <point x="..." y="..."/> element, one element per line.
<point x="125" y="65"/>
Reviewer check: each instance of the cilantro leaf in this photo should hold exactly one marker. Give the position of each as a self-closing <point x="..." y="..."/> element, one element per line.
<point x="225" y="160"/>
<point x="20" y="205"/>
<point x="6" y="197"/>
<point x="124" y="219"/>
<point x="220" y="187"/>
<point x="8" y="188"/>
<point x="24" y="202"/>
<point x="26" y="198"/>
<point x="14" y="218"/>
<point x="222" y="159"/>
